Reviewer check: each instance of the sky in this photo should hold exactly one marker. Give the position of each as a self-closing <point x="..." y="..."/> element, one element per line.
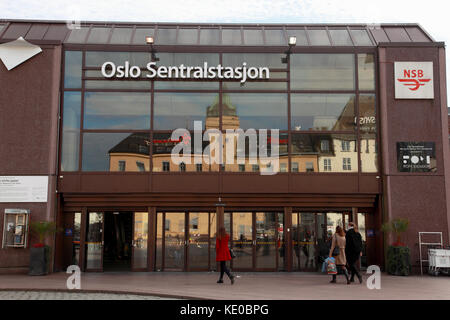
<point x="431" y="14"/>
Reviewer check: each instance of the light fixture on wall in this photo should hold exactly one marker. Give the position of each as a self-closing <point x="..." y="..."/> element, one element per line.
<point x="291" y="42"/>
<point x="150" y="40"/>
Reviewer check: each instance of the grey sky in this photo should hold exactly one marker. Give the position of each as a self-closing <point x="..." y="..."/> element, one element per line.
<point x="431" y="15"/>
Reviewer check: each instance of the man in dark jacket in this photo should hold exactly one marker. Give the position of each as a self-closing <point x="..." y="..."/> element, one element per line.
<point x="353" y="248"/>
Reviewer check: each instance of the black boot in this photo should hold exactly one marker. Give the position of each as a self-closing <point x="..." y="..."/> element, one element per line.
<point x="334" y="279"/>
<point x="346" y="276"/>
<point x="220" y="281"/>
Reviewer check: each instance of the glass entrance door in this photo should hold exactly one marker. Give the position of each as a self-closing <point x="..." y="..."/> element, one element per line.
<point x="255" y="240"/>
<point x="140" y="242"/>
<point x="185" y="241"/>
<point x="304" y="239"/>
<point x="94" y="241"/>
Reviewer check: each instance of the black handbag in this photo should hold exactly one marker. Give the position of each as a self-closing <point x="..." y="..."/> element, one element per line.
<point x="232" y="253"/>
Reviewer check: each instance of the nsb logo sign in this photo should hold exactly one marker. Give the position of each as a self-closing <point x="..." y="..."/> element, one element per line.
<point x="414" y="80"/>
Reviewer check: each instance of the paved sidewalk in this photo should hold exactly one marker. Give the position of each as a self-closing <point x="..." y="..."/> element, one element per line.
<point x="258" y="286"/>
<point x="55" y="295"/>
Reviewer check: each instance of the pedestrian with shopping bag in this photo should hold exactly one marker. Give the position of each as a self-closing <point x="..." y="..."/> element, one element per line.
<point x="337" y="251"/>
<point x="223" y="254"/>
<point x="353" y="249"/>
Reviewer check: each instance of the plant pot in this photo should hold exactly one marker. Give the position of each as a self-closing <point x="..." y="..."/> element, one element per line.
<point x="39" y="261"/>
<point x="398" y="261"/>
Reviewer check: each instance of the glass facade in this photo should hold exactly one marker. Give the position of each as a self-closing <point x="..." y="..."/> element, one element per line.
<point x="323" y="105"/>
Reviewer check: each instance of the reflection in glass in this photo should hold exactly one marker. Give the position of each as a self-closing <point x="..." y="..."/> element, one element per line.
<point x="159" y="241"/>
<point x="180" y="110"/>
<point x="113" y="110"/>
<point x="242" y="157"/>
<point x="76" y="238"/>
<point x="304" y="241"/>
<point x="97" y="58"/>
<point x="266" y="240"/>
<point x="104" y="151"/>
<point x="254" y="110"/>
<point x="271" y="60"/>
<point x="366" y="71"/>
<point x="362" y="230"/>
<point x="369" y="153"/>
<point x="72" y="69"/>
<point x="186" y="85"/>
<point x="326" y="152"/>
<point x="242" y="240"/>
<point x="198" y="240"/>
<point x="140" y="240"/>
<point x="174" y="241"/>
<point x="71" y="131"/>
<point x="367" y="113"/>
<point x="188" y="59"/>
<point x="281" y="244"/>
<point x="322" y="71"/>
<point x="94" y="241"/>
<point x="323" y="112"/>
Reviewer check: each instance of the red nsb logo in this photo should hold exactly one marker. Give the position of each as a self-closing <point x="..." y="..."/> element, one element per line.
<point x="412" y="79"/>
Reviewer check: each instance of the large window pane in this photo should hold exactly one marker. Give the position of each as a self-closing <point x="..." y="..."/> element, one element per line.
<point x="275" y="37"/>
<point x="341" y="37"/>
<point x="322" y="72"/>
<point x="210" y="36"/>
<point x="97" y="58"/>
<point x="361" y="38"/>
<point x="270" y="60"/>
<point x="253" y="37"/>
<point x="113" y="83"/>
<point x="180" y="110"/>
<point x="114" y="110"/>
<point x="366" y="71"/>
<point x="121" y="36"/>
<point x="72" y="69"/>
<point x="187" y="36"/>
<point x="186" y="85"/>
<point x="367" y="113"/>
<point x="99" y="35"/>
<point x="71" y="131"/>
<point x="78" y="35"/>
<point x="116" y="152"/>
<point x="254" y="110"/>
<point x="324" y="153"/>
<point x="166" y="36"/>
<point x="231" y="37"/>
<point x="200" y="160"/>
<point x="323" y="112"/>
<point x="245" y="153"/>
<point x="318" y="38"/>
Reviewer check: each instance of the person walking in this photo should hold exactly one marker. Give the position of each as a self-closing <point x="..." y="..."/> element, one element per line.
<point x="338" y="241"/>
<point x="223" y="254"/>
<point x="353" y="249"/>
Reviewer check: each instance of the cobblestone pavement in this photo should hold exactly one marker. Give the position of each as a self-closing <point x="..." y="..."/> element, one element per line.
<point x="53" y="295"/>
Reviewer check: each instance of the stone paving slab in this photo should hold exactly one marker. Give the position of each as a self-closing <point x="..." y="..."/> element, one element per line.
<point x="58" y="295"/>
<point x="248" y="286"/>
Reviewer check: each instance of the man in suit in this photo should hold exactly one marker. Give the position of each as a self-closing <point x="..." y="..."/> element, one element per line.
<point x="353" y="249"/>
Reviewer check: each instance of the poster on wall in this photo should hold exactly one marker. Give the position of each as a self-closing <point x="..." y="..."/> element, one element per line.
<point x="23" y="188"/>
<point x="416" y="157"/>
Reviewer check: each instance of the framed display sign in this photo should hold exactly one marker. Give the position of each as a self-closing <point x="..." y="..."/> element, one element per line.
<point x="15" y="228"/>
<point x="416" y="157"/>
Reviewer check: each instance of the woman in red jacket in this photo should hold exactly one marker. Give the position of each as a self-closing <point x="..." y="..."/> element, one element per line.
<point x="223" y="254"/>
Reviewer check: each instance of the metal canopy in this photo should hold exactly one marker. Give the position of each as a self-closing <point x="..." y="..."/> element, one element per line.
<point x="311" y="35"/>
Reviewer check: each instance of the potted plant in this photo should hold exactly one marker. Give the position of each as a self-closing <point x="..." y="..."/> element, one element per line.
<point x="398" y="260"/>
<point x="40" y="252"/>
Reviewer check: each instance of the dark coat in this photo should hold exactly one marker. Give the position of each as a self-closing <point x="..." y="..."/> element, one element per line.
<point x="222" y="250"/>
<point x="353" y="243"/>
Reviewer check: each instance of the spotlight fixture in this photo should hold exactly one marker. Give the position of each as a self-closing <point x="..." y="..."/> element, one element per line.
<point x="149" y="40"/>
<point x="292" y="41"/>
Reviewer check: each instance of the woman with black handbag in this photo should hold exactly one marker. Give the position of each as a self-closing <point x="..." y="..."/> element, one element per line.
<point x="337" y="251"/>
<point x="223" y="254"/>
